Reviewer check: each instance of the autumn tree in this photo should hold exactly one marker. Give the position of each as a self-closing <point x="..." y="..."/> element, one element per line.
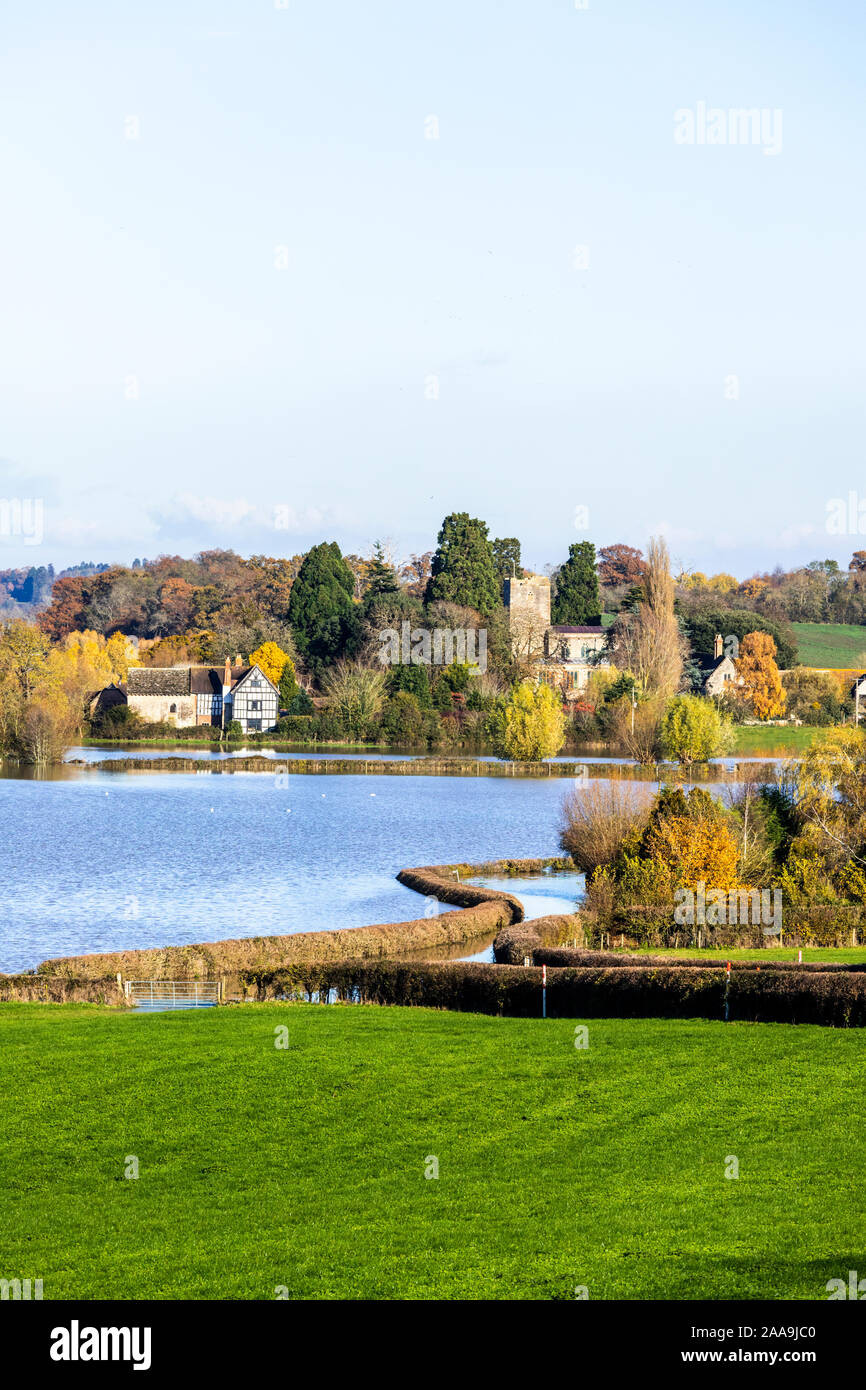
<point x="24" y="650"/>
<point x="648" y="642"/>
<point x="694" y="849"/>
<point x="279" y="668"/>
<point x="532" y="726"/>
<point x="620" y="564"/>
<point x="415" y="573"/>
<point x="693" y="730"/>
<point x="65" y="613"/>
<point x="826" y="787"/>
<point x="271" y="661"/>
<point x="761" y="683"/>
<point x="754" y="587"/>
<point x="176" y="601"/>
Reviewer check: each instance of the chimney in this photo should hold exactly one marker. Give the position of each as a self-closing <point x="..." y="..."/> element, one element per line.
<point x="227" y="675"/>
<point x="238" y="661"/>
<point x="717" y="646"/>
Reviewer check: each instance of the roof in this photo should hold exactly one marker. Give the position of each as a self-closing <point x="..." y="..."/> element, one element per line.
<point x="158" y="680"/>
<point x="596" y="631"/>
<point x="187" y="680"/>
<point x="243" y="672"/>
<point x="716" y="663"/>
<point x="205" y="680"/>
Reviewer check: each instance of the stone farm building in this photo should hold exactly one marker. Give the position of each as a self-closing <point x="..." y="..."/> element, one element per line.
<point x="190" y="695"/>
<point x="562" y="656"/>
<point x="721" y="676"/>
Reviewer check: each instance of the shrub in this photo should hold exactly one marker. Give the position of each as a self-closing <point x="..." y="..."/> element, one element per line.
<point x="831" y="998"/>
<point x="411" y="678"/>
<point x="562" y="956"/>
<point x="355" y="694"/>
<point x="295" y="726"/>
<point x="595" y="820"/>
<point x="403" y="720"/>
<point x="300" y="704"/>
<point x="693" y="730"/>
<point x="533" y="726"/>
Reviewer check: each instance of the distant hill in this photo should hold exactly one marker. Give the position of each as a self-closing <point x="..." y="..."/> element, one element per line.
<point x="832" y="645"/>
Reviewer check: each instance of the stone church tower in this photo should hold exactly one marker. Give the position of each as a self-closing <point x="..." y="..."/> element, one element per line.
<point x="528" y="604"/>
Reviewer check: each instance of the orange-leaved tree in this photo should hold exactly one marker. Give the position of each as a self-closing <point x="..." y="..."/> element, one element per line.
<point x="761" y="683"/>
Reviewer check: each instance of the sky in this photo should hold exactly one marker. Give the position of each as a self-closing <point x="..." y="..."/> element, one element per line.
<point x="277" y="273"/>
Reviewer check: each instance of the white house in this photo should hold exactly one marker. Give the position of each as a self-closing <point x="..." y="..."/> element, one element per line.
<point x="191" y="695"/>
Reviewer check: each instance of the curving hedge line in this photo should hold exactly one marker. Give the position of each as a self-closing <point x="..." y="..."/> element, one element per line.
<point x="483" y="911"/>
<point x="60" y="989"/>
<point x="559" y="957"/>
<point x="830" y="999"/>
<point x="521" y="942"/>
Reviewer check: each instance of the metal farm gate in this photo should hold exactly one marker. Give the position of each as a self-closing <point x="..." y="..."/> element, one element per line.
<point x="158" y="995"/>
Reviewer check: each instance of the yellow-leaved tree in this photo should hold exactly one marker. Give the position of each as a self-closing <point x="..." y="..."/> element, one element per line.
<point x="279" y="667"/>
<point x="40" y="712"/>
<point x="533" y="724"/>
<point x="761" y="683"/>
<point x="271" y="660"/>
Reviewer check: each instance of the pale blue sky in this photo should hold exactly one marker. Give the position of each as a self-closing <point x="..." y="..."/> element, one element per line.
<point x="308" y="388"/>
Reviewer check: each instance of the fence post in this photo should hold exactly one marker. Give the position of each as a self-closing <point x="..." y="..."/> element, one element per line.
<point x="727" y="987"/>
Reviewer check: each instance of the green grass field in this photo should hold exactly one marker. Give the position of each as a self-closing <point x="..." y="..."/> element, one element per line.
<point x="305" y="1167"/>
<point x="850" y="954"/>
<point x="753" y="740"/>
<point x="833" y="645"/>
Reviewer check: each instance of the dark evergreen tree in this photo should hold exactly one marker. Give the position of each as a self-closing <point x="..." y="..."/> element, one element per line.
<point x="289" y="687"/>
<point x="463" y="569"/>
<point x="301" y="704"/>
<point x="412" y="679"/>
<point x="577" y="601"/>
<point x="321" y="613"/>
<point x="506" y="559"/>
<point x="381" y="578"/>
